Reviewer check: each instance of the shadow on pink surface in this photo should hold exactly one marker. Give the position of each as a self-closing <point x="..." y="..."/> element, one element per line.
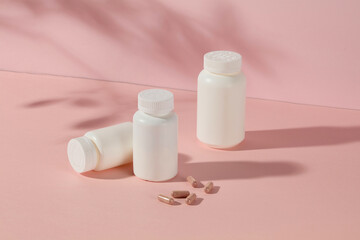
<point x="93" y="123"/>
<point x="124" y="171"/>
<point x="223" y="170"/>
<point x="206" y="171"/>
<point x="44" y="103"/>
<point x="197" y="201"/>
<point x="116" y="102"/>
<point x="298" y="137"/>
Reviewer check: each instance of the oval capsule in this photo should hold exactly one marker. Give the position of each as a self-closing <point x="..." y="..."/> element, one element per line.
<point x="180" y="194"/>
<point x="166" y="199"/>
<point x="190" y="199"/>
<point x="192" y="181"/>
<point x="208" y="187"/>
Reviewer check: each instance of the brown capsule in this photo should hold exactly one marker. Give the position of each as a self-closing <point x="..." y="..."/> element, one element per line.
<point x="192" y="181"/>
<point x="208" y="187"/>
<point x="166" y="199"/>
<point x="190" y="199"/>
<point x="180" y="194"/>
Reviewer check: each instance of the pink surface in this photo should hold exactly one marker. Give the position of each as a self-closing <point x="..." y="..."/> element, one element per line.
<point x="296" y="51"/>
<point x="296" y="176"/>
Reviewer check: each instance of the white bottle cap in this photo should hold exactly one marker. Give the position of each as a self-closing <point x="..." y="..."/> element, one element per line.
<point x="156" y="101"/>
<point x="82" y="154"/>
<point x="222" y="62"/>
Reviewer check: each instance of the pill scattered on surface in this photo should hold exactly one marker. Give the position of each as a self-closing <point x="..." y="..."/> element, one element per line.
<point x="190" y="199"/>
<point x="208" y="187"/>
<point x="180" y="194"/>
<point x="166" y="199"/>
<point x="192" y="181"/>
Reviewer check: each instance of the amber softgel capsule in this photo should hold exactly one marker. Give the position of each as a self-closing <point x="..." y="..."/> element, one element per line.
<point x="190" y="199"/>
<point x="165" y="199"/>
<point x="180" y="194"/>
<point x="192" y="181"/>
<point x="208" y="187"/>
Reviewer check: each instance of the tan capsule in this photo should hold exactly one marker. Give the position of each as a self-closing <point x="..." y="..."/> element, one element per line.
<point x="208" y="187"/>
<point x="166" y="199"/>
<point x="192" y="181"/>
<point x="180" y="194"/>
<point x="190" y="199"/>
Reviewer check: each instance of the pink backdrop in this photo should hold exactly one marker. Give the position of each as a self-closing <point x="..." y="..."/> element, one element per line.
<point x="295" y="177"/>
<point x="296" y="51"/>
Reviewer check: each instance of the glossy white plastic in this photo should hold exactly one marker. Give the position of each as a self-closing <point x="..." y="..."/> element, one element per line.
<point x="221" y="100"/>
<point x="102" y="148"/>
<point x="155" y="152"/>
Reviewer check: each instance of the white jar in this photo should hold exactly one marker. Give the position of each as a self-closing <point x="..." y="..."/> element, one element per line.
<point x="102" y="148"/>
<point x="221" y="100"/>
<point x="155" y="152"/>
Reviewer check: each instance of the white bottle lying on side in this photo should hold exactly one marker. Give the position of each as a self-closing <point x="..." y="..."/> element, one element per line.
<point x="221" y="100"/>
<point x="102" y="148"/>
<point x="155" y="151"/>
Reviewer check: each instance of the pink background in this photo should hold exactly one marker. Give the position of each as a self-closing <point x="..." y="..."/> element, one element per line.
<point x="295" y="51"/>
<point x="295" y="177"/>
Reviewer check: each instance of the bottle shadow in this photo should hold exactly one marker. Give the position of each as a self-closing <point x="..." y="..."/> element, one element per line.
<point x="223" y="170"/>
<point x="211" y="171"/>
<point x="298" y="137"/>
<point x="120" y="172"/>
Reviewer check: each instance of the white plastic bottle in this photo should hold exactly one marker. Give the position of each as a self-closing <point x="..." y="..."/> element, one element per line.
<point x="221" y="100"/>
<point x="155" y="151"/>
<point x="102" y="148"/>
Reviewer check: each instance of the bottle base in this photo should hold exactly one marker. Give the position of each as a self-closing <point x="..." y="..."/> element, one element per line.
<point x="224" y="147"/>
<point x="155" y="179"/>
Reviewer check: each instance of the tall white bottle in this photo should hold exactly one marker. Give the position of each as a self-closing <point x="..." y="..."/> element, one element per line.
<point x="102" y="148"/>
<point x="155" y="134"/>
<point x="221" y="100"/>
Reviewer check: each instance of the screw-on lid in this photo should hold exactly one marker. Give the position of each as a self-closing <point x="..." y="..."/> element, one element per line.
<point x="222" y="62"/>
<point x="156" y="101"/>
<point x="82" y="154"/>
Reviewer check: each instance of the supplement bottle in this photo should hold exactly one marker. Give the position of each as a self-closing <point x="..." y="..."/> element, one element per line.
<point x="221" y="100"/>
<point x="155" y="152"/>
<point x="102" y="148"/>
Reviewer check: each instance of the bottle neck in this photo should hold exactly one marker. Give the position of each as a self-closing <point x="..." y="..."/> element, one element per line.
<point x="162" y="115"/>
<point x="223" y="74"/>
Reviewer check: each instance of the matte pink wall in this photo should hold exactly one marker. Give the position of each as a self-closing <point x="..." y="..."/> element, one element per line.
<point x="297" y="51"/>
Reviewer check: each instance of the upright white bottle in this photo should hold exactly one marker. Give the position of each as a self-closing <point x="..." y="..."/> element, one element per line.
<point x="221" y="100"/>
<point x="155" y="152"/>
<point x="102" y="148"/>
